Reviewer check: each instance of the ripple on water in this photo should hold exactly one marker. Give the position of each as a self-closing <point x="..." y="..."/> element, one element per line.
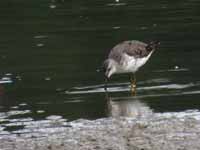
<point x="157" y="80"/>
<point x="144" y="89"/>
<point x="175" y="69"/>
<point x="116" y="4"/>
<point x="5" y="80"/>
<point x="100" y="89"/>
<point x="40" y="36"/>
<point x="22" y="124"/>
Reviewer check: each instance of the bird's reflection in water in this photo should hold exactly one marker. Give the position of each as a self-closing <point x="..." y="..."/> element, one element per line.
<point x="127" y="107"/>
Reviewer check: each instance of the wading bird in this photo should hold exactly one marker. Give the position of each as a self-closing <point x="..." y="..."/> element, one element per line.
<point x="128" y="57"/>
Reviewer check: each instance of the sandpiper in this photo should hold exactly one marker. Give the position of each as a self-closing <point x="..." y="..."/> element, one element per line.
<point x="128" y="57"/>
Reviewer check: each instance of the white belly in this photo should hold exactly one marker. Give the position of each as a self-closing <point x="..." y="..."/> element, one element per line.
<point x="132" y="64"/>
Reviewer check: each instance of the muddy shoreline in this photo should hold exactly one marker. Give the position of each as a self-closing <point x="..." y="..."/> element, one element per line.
<point x="158" y="131"/>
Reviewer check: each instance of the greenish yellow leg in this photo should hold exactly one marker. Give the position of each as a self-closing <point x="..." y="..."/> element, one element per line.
<point x="133" y="84"/>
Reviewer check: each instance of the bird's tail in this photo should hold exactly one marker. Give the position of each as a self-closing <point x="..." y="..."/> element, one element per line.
<point x="152" y="45"/>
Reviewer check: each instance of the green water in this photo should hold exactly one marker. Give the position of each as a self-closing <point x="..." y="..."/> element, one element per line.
<point x="50" y="51"/>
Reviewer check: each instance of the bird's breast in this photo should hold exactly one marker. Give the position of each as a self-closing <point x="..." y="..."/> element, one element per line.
<point x="131" y="64"/>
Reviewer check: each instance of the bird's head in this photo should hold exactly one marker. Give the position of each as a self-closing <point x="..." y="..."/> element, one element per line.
<point x="153" y="45"/>
<point x="109" y="67"/>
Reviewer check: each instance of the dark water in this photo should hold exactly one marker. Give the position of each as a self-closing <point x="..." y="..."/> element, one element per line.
<point x="50" y="50"/>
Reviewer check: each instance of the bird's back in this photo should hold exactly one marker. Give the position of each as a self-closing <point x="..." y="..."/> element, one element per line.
<point x="133" y="48"/>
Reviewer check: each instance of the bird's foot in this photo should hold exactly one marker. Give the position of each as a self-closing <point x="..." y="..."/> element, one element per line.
<point x="133" y="89"/>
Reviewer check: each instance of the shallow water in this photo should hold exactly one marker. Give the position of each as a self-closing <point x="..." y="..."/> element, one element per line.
<point x="50" y="52"/>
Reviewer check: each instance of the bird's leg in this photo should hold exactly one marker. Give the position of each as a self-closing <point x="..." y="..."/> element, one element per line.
<point x="133" y="84"/>
<point x="105" y="86"/>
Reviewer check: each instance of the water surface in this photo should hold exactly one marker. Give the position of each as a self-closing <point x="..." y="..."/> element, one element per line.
<point x="50" y="52"/>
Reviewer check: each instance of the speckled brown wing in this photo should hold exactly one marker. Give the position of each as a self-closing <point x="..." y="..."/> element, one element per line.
<point x="116" y="52"/>
<point x="131" y="48"/>
<point x="137" y="49"/>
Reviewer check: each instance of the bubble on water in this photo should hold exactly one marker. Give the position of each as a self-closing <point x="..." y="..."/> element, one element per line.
<point x="8" y="74"/>
<point x="176" y="67"/>
<point x="40" y="36"/>
<point x="14" y="107"/>
<point x="40" y="111"/>
<point x="143" y="28"/>
<point x="59" y="89"/>
<point x="116" y="27"/>
<point x="18" y="78"/>
<point x="22" y="104"/>
<point x="154" y="25"/>
<point x="52" y="6"/>
<point x="40" y="45"/>
<point x="47" y="78"/>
